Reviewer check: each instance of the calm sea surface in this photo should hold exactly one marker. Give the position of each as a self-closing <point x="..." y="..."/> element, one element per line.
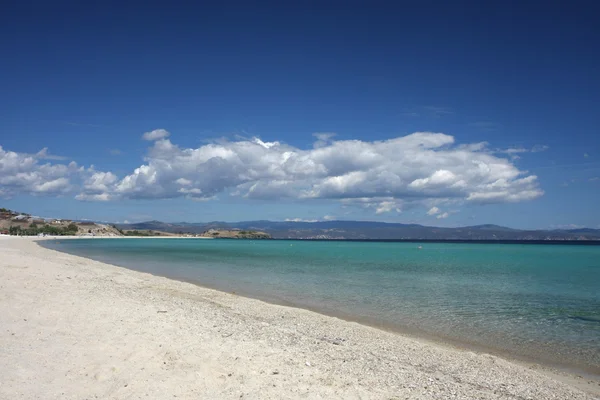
<point x="534" y="301"/>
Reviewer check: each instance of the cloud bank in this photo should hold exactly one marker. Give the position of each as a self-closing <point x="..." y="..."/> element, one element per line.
<point x="384" y="175"/>
<point x="22" y="173"/>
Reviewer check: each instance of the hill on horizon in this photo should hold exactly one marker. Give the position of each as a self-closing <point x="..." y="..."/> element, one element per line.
<point x="370" y="230"/>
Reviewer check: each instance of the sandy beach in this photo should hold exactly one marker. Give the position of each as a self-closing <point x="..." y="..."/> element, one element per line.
<point x="73" y="328"/>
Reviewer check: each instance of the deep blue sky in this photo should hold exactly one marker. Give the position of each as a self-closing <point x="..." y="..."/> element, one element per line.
<point x="87" y="80"/>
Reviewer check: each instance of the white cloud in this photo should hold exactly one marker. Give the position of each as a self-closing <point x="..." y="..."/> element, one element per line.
<point x="507" y="191"/>
<point x="419" y="166"/>
<point x="24" y="173"/>
<point x="156" y="134"/>
<point x="97" y="186"/>
<point x="439" y="178"/>
<point x="99" y="182"/>
<point x="439" y="214"/>
<point x="53" y="186"/>
<point x="94" y="197"/>
<point x="586" y="155"/>
<point x="480" y="146"/>
<point x="538" y="148"/>
<point x="266" y="145"/>
<point x="514" y="151"/>
<point x="44" y="154"/>
<point x="379" y="204"/>
<point x="323" y="139"/>
<point x="329" y="218"/>
<point x="384" y="176"/>
<point x="183" y="182"/>
<point x="387" y="206"/>
<point x="433" y="211"/>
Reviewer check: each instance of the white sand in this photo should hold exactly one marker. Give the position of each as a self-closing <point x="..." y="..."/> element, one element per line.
<point x="71" y="328"/>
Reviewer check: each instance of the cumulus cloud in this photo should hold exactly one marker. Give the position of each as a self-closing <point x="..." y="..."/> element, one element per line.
<point x="97" y="187"/>
<point x="439" y="214"/>
<point x="387" y="206"/>
<point x="384" y="176"/>
<point x="156" y="135"/>
<point x="433" y="211"/>
<point x="94" y="197"/>
<point x="28" y="174"/>
<point x="378" y="174"/>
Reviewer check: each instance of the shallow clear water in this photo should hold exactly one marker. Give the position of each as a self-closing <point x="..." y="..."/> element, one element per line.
<point x="536" y="301"/>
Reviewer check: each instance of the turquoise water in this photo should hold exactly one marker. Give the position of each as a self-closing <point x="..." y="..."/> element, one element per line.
<point x="533" y="301"/>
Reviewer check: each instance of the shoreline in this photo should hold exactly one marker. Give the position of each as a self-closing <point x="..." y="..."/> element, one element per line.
<point x="562" y="371"/>
<point x="363" y="359"/>
<point x="551" y="366"/>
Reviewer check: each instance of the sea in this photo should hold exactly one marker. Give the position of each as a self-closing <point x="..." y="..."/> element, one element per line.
<point x="533" y="302"/>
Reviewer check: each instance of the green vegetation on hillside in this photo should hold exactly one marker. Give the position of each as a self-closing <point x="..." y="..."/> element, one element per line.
<point x="35" y="230"/>
<point x="138" y="233"/>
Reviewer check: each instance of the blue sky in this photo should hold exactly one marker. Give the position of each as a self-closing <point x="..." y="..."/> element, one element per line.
<point x="242" y="98"/>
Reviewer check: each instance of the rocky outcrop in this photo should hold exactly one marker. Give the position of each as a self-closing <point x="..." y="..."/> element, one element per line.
<point x="235" y="234"/>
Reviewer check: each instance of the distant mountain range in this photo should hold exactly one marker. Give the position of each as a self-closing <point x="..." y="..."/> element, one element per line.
<point x="370" y="230"/>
